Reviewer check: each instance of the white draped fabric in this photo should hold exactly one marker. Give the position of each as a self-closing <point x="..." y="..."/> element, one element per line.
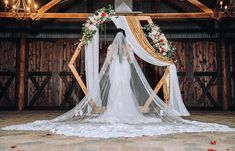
<point x="92" y="65"/>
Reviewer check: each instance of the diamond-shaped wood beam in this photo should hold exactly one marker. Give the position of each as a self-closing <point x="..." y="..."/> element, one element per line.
<point x="201" y="6"/>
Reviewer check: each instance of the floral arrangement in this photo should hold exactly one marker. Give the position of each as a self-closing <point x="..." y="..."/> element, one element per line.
<point x="96" y="22"/>
<point x="159" y="41"/>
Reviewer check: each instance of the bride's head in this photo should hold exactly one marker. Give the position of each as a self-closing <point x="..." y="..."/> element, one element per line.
<point x="120" y="30"/>
<point x="119" y="43"/>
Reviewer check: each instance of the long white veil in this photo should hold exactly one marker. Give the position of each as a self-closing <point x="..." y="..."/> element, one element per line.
<point x="98" y="97"/>
<point x="88" y="118"/>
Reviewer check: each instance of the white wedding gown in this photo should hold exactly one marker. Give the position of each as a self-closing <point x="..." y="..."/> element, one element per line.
<point x="122" y="106"/>
<point x="120" y="90"/>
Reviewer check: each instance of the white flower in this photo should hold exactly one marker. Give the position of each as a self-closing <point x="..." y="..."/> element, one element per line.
<point x="93" y="19"/>
<point x="87" y="25"/>
<point x="155" y="40"/>
<point x="154" y="32"/>
<point x="156" y="28"/>
<point x="162" y="36"/>
<point x="157" y="45"/>
<point x="99" y="15"/>
<point x="92" y="27"/>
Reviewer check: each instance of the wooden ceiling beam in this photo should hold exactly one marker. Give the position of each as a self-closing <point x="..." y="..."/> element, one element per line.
<point x="84" y="16"/>
<point x="44" y="8"/>
<point x="200" y="6"/>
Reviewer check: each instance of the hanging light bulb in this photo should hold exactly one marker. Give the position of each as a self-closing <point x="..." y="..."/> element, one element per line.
<point x="6" y="2"/>
<point x="221" y="3"/>
<point x="225" y="7"/>
<point x="14" y="7"/>
<point x="35" y="6"/>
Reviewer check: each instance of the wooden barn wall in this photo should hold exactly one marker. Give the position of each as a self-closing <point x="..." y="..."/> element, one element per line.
<point x="48" y="60"/>
<point x="231" y="57"/>
<point x="50" y="84"/>
<point x="197" y="67"/>
<point x="8" y="73"/>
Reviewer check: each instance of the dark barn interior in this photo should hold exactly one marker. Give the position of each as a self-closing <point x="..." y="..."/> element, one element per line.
<point x="35" y="78"/>
<point x="204" y="57"/>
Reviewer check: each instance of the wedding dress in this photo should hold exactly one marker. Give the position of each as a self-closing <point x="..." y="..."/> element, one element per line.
<point x="112" y="107"/>
<point x="122" y="106"/>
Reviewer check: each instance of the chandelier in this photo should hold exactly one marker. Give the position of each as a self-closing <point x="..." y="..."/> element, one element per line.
<point x="227" y="8"/>
<point x="22" y="9"/>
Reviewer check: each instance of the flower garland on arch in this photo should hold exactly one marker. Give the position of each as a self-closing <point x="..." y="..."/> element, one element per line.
<point x="96" y="22"/>
<point x="159" y="41"/>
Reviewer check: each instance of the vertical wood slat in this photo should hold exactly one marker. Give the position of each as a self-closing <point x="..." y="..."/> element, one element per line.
<point x="22" y="73"/>
<point x="189" y="77"/>
<point x="225" y="74"/>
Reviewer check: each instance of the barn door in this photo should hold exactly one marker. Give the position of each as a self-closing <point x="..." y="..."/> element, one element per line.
<point x="198" y="74"/>
<point x="49" y="83"/>
<point x="9" y="56"/>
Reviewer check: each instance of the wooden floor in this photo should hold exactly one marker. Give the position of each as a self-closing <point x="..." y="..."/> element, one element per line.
<point x="45" y="141"/>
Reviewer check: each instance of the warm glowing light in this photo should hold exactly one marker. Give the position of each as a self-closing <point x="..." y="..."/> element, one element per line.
<point x="28" y="9"/>
<point x="35" y="6"/>
<point x="6" y="2"/>
<point x="14" y="7"/>
<point x="221" y="3"/>
<point x="225" y="7"/>
<point x="29" y="1"/>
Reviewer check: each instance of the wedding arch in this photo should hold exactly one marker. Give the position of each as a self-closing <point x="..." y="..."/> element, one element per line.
<point x="143" y="49"/>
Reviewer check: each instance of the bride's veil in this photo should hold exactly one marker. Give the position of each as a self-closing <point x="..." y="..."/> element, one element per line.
<point x="98" y="95"/>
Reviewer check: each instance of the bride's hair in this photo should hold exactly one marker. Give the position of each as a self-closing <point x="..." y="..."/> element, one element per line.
<point x="120" y="30"/>
<point x="120" y="42"/>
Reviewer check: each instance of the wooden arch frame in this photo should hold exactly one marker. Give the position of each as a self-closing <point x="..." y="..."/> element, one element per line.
<point x="164" y="81"/>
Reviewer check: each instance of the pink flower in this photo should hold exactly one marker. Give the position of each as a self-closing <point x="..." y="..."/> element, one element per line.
<point x="92" y="27"/>
<point x="163" y="49"/>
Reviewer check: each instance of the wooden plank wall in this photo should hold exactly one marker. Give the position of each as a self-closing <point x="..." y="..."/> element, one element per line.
<point x="51" y="56"/>
<point x="193" y="58"/>
<point x="7" y="69"/>
<point x="231" y="48"/>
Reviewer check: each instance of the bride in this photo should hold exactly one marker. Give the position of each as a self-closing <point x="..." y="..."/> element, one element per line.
<point x="122" y="106"/>
<point x="114" y="106"/>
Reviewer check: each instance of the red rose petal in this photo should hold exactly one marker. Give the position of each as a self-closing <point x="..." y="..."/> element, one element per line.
<point x="103" y="14"/>
<point x="211" y="149"/>
<point x="213" y="142"/>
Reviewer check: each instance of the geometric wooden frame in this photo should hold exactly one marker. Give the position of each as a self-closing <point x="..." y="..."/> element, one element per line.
<point x="163" y="82"/>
